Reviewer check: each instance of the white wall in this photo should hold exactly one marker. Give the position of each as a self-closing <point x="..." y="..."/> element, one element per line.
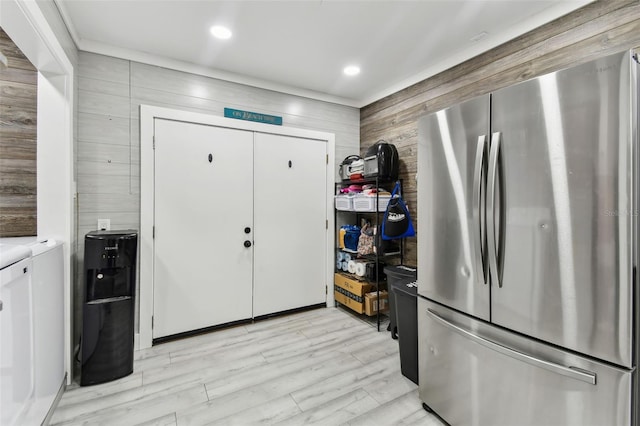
<point x="55" y="159"/>
<point x="108" y="158"/>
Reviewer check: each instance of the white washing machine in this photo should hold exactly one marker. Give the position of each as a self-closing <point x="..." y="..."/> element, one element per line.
<point x="47" y="281"/>
<point x="31" y="329"/>
<point x="16" y="333"/>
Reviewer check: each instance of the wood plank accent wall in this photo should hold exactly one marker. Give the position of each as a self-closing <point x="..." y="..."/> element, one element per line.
<point x="596" y="30"/>
<point x="18" y="110"/>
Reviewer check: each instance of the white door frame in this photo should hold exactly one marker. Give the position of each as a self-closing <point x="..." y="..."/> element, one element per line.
<point x="147" y="171"/>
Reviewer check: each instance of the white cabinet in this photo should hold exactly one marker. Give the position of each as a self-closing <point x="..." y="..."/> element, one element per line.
<point x="239" y="224"/>
<point x="16" y="342"/>
<point x="48" y="317"/>
<point x="31" y="331"/>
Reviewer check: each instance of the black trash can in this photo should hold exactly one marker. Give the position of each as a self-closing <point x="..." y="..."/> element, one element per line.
<point x="406" y="296"/>
<point x="397" y="275"/>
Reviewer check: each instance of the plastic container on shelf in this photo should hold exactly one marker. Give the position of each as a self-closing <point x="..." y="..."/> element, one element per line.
<point x="367" y="203"/>
<point x="344" y="202"/>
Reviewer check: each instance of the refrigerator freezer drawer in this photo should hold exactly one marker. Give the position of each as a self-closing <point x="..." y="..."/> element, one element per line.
<point x="473" y="373"/>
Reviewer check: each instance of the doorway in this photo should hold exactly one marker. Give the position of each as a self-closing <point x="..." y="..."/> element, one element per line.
<point x="234" y="221"/>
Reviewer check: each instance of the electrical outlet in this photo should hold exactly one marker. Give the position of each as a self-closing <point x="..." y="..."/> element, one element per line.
<point x="104" y="224"/>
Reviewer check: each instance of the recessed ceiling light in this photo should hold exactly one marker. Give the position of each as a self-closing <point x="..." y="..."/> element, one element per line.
<point x="221" y="32"/>
<point x="351" y="70"/>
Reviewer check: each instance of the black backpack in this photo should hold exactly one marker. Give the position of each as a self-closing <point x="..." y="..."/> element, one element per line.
<point x="381" y="160"/>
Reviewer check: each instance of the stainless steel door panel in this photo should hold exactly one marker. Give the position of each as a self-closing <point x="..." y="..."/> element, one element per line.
<point x="451" y="168"/>
<point x="473" y="373"/>
<point x="566" y="170"/>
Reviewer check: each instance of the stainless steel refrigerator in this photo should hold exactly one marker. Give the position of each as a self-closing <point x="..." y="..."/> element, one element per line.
<point x="527" y="245"/>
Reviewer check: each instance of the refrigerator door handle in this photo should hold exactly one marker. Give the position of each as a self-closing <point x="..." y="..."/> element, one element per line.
<point x="477" y="205"/>
<point x="491" y="200"/>
<point x="572" y="372"/>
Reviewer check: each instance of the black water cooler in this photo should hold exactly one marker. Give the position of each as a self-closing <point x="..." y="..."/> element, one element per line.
<point x="109" y="306"/>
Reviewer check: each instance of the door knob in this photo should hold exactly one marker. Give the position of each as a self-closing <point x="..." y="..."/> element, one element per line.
<point x="247" y="243"/>
<point x="247" y="230"/>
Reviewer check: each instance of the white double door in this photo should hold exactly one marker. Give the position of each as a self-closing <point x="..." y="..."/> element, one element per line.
<point x="239" y="225"/>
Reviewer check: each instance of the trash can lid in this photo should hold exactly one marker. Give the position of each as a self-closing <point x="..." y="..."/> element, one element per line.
<point x="407" y="288"/>
<point x="401" y="271"/>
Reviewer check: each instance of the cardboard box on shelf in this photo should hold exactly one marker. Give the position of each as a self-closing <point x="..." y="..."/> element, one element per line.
<point x="349" y="302"/>
<point x="359" y="288"/>
<point x="372" y="302"/>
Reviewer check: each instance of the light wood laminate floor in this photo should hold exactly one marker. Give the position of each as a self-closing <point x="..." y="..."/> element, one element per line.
<point x="324" y="366"/>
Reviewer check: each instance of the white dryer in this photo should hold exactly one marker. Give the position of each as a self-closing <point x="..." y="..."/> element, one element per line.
<point x="16" y="333"/>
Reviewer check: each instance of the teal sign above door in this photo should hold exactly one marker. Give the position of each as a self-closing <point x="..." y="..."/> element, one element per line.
<point x="252" y="116"/>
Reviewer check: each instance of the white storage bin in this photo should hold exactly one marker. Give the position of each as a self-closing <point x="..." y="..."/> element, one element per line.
<point x="367" y="203"/>
<point x="344" y="202"/>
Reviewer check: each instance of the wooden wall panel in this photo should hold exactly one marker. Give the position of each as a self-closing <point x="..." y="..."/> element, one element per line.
<point x="598" y="29"/>
<point x="18" y="139"/>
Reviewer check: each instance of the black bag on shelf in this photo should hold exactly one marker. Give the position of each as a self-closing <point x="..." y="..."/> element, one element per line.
<point x="397" y="220"/>
<point x="381" y="160"/>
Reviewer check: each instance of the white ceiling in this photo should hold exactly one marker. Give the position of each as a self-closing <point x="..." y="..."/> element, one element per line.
<point x="301" y="46"/>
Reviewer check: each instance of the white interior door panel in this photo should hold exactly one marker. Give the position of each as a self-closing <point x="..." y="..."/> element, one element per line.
<point x="203" y="203"/>
<point x="290" y="223"/>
